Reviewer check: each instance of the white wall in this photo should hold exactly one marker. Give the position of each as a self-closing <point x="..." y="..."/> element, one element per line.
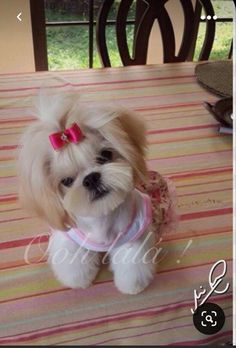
<point x="16" y="45"/>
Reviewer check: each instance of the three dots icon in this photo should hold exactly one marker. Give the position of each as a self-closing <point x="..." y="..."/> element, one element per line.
<point x="209" y="17"/>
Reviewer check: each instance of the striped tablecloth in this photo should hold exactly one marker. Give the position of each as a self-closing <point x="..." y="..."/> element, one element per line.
<point x="184" y="145"/>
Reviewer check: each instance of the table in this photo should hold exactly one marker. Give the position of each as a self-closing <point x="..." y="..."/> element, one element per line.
<point x="184" y="145"/>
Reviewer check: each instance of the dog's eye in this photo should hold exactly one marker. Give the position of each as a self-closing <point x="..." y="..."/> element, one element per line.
<point x="105" y="156"/>
<point x="67" y="181"/>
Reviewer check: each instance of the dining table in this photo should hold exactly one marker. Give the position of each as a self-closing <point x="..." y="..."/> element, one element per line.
<point x="185" y="146"/>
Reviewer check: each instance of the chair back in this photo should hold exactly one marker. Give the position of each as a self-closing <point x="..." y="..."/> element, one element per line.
<point x="147" y="11"/>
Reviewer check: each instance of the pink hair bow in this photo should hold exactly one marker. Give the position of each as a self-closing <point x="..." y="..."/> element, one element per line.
<point x="73" y="134"/>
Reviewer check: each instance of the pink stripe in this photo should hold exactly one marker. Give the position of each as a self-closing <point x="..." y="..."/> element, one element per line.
<point x="11" y="133"/>
<point x="18" y="265"/>
<point x="16" y="128"/>
<point x="186" y="137"/>
<point x="15" y="120"/>
<point x="15" y="108"/>
<point x="23" y="242"/>
<point x="205" y="183"/>
<point x="188" y="234"/>
<point x="169" y="130"/>
<point x="202" y="214"/>
<point x="36" y="87"/>
<point x="149" y="119"/>
<point x="10" y="210"/>
<point x="204" y="192"/>
<point x="9" y="177"/>
<point x="8" y="198"/>
<point x="215" y="170"/>
<point x="35" y="295"/>
<point x="8" y="147"/>
<point x="166" y="106"/>
<point x="187" y="267"/>
<point x="16" y="219"/>
<point x="191" y="155"/>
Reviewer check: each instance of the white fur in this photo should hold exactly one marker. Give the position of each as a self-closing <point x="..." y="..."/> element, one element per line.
<point x="67" y="262"/>
<point x="41" y="170"/>
<point x="133" y="272"/>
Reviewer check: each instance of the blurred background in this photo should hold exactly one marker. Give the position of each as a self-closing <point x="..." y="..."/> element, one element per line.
<point x="68" y="37"/>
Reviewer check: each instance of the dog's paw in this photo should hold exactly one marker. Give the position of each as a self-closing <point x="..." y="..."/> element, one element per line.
<point x="78" y="268"/>
<point x="134" y="281"/>
<point x="76" y="281"/>
<point x="132" y="288"/>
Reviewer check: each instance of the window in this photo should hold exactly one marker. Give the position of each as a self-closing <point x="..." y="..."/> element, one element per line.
<point x="70" y="31"/>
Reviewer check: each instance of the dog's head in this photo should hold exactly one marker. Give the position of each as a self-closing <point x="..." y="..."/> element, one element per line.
<point x="89" y="177"/>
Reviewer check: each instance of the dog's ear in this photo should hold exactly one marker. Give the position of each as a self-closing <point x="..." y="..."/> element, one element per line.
<point x="127" y="134"/>
<point x="36" y="191"/>
<point x="135" y="128"/>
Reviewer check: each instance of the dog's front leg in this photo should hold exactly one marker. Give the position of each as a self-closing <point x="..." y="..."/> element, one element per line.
<point x="133" y="265"/>
<point x="72" y="265"/>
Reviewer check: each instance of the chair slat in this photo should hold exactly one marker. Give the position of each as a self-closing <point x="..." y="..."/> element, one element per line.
<point x="147" y="12"/>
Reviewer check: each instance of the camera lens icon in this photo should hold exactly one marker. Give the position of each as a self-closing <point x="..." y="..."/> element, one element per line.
<point x="209" y="318"/>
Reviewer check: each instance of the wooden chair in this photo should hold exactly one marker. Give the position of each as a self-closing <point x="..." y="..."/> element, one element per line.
<point x="147" y="11"/>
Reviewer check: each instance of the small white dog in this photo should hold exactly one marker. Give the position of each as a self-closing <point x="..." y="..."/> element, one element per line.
<point x="79" y="170"/>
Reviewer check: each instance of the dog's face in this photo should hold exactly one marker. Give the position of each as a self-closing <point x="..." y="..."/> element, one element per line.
<point x="89" y="178"/>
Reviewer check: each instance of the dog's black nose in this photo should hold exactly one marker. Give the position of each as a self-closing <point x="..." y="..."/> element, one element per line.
<point x="92" y="180"/>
